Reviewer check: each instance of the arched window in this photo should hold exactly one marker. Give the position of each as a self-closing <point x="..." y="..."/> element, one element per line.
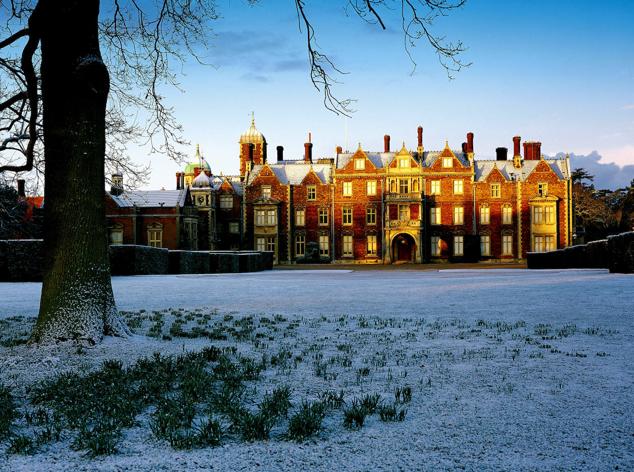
<point x="155" y="235"/>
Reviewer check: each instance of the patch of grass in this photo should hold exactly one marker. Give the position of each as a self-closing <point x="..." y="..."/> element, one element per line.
<point x="371" y="402"/>
<point x="307" y="421"/>
<point x="21" y="444"/>
<point x="8" y="412"/>
<point x="389" y="413"/>
<point x="354" y="416"/>
<point x="331" y="399"/>
<point x="403" y="394"/>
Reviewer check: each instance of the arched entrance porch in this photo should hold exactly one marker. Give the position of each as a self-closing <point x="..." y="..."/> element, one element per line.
<point x="403" y="248"/>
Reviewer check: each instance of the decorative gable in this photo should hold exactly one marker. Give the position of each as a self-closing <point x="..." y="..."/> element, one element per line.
<point x="403" y="159"/>
<point x="542" y="171"/>
<point x="311" y="178"/>
<point x="495" y="176"/>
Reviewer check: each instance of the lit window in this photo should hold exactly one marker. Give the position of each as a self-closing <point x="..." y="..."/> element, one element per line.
<point x="300" y="217"/>
<point x="458" y="215"/>
<point x="155" y="235"/>
<point x="496" y="190"/>
<point x="538" y="215"/>
<point x="323" y="216"/>
<point x="116" y="236"/>
<point x="542" y="189"/>
<point x="458" y="245"/>
<point x="300" y="245"/>
<point x="260" y="244"/>
<point x="436" y="216"/>
<point x="359" y="164"/>
<point x="550" y="243"/>
<point x="403" y="185"/>
<point x="324" y="245"/>
<point x="347" y="216"/>
<point x="347" y="246"/>
<point x="270" y="244"/>
<point x="265" y="217"/>
<point x="311" y="192"/>
<point x="485" y="215"/>
<point x="435" y="246"/>
<point x="403" y="212"/>
<point x="371" y="245"/>
<point x="347" y="189"/>
<point x="447" y="162"/>
<point x="458" y="187"/>
<point x="371" y="187"/>
<point x="226" y="202"/>
<point x="549" y="214"/>
<point x="507" y="245"/>
<point x="266" y="191"/>
<point x="435" y="187"/>
<point x="370" y="215"/>
<point x="234" y="227"/>
<point x="403" y="162"/>
<point x="507" y="215"/>
<point x="485" y="245"/>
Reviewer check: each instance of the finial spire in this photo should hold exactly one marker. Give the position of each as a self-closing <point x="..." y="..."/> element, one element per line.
<point x="252" y="118"/>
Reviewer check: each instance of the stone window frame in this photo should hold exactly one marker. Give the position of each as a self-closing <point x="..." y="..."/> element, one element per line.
<point x="155" y="235"/>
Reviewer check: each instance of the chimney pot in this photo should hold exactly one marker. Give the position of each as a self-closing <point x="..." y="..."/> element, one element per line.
<point x="464" y="148"/>
<point x="420" y="136"/>
<point x="280" y="153"/>
<point x="516" y="145"/>
<point x="386" y="143"/>
<point x="470" y="142"/>
<point x="339" y="150"/>
<point x="21" y="191"/>
<point x="308" y="152"/>
<point x="501" y="153"/>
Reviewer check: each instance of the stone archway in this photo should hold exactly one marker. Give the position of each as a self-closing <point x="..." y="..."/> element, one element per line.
<point x="403" y="248"/>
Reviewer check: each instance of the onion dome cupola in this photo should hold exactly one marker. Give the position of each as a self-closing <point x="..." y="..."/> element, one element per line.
<point x="252" y="135"/>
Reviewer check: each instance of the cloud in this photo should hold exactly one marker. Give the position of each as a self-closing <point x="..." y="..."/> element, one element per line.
<point x="628" y="107"/>
<point x="261" y="55"/>
<point x="607" y="175"/>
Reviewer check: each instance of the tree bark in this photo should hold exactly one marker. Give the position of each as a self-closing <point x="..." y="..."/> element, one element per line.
<point x="77" y="302"/>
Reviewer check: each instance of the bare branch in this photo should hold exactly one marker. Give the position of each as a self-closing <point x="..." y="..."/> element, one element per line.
<point x="14" y="37"/>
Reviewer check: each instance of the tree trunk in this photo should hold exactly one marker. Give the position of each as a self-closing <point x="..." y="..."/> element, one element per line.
<point x="77" y="301"/>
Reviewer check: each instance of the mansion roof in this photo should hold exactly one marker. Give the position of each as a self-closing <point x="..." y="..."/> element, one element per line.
<point x="151" y="198"/>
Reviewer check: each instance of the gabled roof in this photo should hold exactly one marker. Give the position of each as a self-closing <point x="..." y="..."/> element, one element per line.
<point x="151" y="198"/>
<point x="510" y="172"/>
<point x="293" y="172"/>
<point x="378" y="159"/>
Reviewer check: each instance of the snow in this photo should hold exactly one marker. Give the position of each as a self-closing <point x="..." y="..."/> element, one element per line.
<point x="483" y="398"/>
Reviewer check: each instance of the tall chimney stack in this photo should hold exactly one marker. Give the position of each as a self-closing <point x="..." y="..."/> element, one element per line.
<point x="532" y="150"/>
<point x="178" y="180"/>
<point x="501" y="154"/>
<point x="516" y="145"/>
<point x="464" y="148"/>
<point x="280" y="153"/>
<point x="339" y="150"/>
<point x="21" y="192"/>
<point x="308" y="152"/>
<point x="386" y="143"/>
<point x="420" y="139"/>
<point x="470" y="142"/>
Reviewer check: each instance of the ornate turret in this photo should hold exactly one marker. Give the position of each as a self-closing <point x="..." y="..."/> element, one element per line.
<point x="252" y="148"/>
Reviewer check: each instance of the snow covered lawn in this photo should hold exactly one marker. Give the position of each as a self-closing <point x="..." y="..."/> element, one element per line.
<point x="509" y="369"/>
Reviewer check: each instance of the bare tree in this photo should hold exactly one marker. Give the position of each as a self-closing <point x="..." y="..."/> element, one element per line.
<point x="58" y="98"/>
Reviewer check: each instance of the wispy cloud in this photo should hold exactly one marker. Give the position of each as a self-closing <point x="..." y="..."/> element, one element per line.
<point x="260" y="55"/>
<point x="628" y="107"/>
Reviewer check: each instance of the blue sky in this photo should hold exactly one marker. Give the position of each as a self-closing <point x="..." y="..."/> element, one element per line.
<point x="560" y="72"/>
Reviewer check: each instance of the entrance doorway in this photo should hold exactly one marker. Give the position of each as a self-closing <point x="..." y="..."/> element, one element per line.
<point x="403" y="248"/>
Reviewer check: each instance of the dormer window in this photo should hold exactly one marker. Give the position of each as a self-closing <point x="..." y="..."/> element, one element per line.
<point x="403" y="162"/>
<point x="266" y="191"/>
<point x="447" y="162"/>
<point x="359" y="164"/>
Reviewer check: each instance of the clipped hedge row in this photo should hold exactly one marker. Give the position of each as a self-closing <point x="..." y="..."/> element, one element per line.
<point x="21" y="261"/>
<point x="615" y="253"/>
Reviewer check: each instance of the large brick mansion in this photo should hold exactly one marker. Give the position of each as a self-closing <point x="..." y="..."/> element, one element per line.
<point x="362" y="206"/>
